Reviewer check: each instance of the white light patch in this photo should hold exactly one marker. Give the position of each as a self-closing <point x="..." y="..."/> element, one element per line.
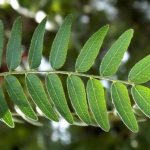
<point x="87" y="8"/>
<point x="125" y="57"/>
<point x="50" y="25"/>
<point x="19" y="68"/>
<point x="85" y="19"/>
<point x="134" y="143"/>
<point x="39" y="16"/>
<point x="15" y="5"/>
<point x="19" y="111"/>
<point x="115" y="112"/>
<point x="105" y="83"/>
<point x="39" y="111"/>
<point x="58" y="19"/>
<point x="60" y="131"/>
<point x="105" y="5"/>
<point x="2" y="2"/>
<point x="45" y="65"/>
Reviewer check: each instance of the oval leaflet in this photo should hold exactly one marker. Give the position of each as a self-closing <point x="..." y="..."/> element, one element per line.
<point x="141" y="96"/>
<point x="140" y="72"/>
<point x="90" y="50"/>
<point x="39" y="96"/>
<point x="56" y="92"/>
<point x="111" y="61"/>
<point x="36" y="46"/>
<point x="96" y="99"/>
<point x="122" y="104"/>
<point x="77" y="96"/>
<point x="60" y="44"/>
<point x="17" y="95"/>
<point x="13" y="50"/>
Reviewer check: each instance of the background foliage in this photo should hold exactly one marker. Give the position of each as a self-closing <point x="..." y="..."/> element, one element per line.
<point x="88" y="17"/>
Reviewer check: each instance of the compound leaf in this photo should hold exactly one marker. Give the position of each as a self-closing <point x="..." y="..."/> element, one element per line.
<point x="90" y="50"/>
<point x="60" y="45"/>
<point x="13" y="50"/>
<point x="76" y="91"/>
<point x="39" y="96"/>
<point x="96" y="99"/>
<point x="122" y="104"/>
<point x="56" y="92"/>
<point x="111" y="61"/>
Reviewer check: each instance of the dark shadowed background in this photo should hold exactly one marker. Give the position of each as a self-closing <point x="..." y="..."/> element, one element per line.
<point x="89" y="16"/>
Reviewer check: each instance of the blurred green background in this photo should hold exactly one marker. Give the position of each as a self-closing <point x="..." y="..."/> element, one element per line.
<point x="89" y="16"/>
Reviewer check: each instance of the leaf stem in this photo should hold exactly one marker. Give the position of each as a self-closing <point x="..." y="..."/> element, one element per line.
<point x="77" y="121"/>
<point x="66" y="73"/>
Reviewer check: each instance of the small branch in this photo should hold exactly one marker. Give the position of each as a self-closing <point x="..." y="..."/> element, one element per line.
<point x="77" y="122"/>
<point x="65" y="73"/>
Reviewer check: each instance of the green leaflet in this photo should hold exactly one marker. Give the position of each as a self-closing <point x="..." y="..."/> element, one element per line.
<point x="56" y="92"/>
<point x="90" y="50"/>
<point x="140" y="72"/>
<point x="1" y="40"/>
<point x="60" y="44"/>
<point x="5" y="114"/>
<point x="96" y="99"/>
<point x="141" y="96"/>
<point x="111" y="61"/>
<point x="36" y="46"/>
<point x="13" y="50"/>
<point x="122" y="104"/>
<point x="39" y="96"/>
<point x="77" y="96"/>
<point x="17" y="95"/>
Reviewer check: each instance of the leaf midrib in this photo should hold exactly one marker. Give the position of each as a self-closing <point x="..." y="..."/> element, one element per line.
<point x="13" y="41"/>
<point x="113" y="56"/>
<point x="57" y="96"/>
<point x="28" y="107"/>
<point x="123" y="109"/>
<point x="58" y="49"/>
<point x="141" y="97"/>
<point x="77" y="101"/>
<point x="46" y="108"/>
<point x="141" y="70"/>
<point x="97" y="107"/>
<point x="32" y="57"/>
<point x="88" y="51"/>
